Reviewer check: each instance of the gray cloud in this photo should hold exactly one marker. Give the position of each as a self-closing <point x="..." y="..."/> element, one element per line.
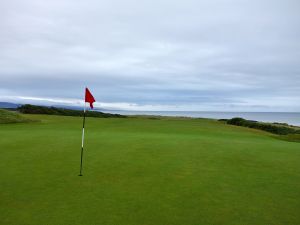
<point x="193" y="55"/>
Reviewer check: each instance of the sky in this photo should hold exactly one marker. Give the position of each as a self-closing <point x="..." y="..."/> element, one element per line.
<point x="191" y="55"/>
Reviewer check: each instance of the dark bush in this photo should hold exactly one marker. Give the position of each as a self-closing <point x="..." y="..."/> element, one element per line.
<point x="34" y="109"/>
<point x="272" y="128"/>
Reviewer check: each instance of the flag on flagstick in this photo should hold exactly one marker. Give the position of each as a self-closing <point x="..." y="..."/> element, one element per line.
<point x="90" y="99"/>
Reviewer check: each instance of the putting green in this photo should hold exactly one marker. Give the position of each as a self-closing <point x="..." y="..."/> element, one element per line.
<point x="140" y="171"/>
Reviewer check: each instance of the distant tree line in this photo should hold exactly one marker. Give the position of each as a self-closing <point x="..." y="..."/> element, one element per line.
<point x="275" y="128"/>
<point x="34" y="109"/>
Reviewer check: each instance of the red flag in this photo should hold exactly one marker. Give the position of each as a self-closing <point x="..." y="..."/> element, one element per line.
<point x="89" y="97"/>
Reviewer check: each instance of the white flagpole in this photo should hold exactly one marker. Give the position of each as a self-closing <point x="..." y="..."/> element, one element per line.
<point x="82" y="139"/>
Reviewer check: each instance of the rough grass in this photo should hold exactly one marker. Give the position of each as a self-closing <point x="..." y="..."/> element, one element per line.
<point x="12" y="117"/>
<point x="290" y="137"/>
<point x="140" y="171"/>
<point x="275" y="128"/>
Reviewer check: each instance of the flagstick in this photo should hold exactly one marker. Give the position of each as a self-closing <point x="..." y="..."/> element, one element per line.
<point x="82" y="140"/>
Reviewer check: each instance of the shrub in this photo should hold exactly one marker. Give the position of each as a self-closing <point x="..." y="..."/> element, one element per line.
<point x="34" y="109"/>
<point x="272" y="128"/>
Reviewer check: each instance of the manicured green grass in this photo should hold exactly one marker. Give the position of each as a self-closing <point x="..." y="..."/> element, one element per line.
<point x="140" y="171"/>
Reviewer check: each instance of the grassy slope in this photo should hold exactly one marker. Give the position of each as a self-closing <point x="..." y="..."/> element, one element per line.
<point x="12" y="117"/>
<point x="140" y="171"/>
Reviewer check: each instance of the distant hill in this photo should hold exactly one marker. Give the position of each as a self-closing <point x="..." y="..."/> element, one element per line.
<point x="9" y="105"/>
<point x="34" y="109"/>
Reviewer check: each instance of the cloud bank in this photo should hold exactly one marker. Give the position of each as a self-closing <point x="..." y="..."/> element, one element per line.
<point x="233" y="55"/>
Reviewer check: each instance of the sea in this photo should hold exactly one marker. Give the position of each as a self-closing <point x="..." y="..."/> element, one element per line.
<point x="292" y="118"/>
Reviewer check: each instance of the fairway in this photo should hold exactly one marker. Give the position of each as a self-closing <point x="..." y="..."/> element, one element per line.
<point x="146" y="171"/>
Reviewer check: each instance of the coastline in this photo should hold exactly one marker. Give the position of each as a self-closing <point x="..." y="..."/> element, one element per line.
<point x="291" y="118"/>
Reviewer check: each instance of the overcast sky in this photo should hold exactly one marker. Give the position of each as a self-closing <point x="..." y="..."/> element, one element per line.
<point x="219" y="55"/>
